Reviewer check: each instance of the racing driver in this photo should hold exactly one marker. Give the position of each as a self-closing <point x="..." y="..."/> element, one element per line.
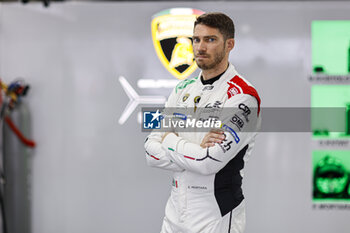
<point x="206" y="194"/>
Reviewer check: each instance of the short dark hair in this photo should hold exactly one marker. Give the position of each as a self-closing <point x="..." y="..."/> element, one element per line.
<point x="218" y="20"/>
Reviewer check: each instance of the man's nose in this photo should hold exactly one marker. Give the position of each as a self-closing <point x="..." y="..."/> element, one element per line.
<point x="202" y="46"/>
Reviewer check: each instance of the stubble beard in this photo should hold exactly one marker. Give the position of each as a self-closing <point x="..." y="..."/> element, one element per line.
<point x="218" y="57"/>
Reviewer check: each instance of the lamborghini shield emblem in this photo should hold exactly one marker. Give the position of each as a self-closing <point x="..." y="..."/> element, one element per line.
<point x="172" y="32"/>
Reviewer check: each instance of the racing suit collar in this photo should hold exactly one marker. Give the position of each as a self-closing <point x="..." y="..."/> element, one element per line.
<point x="212" y="80"/>
<point x="221" y="78"/>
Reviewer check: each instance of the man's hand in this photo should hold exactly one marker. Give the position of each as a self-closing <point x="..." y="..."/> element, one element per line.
<point x="212" y="137"/>
<point x="167" y="134"/>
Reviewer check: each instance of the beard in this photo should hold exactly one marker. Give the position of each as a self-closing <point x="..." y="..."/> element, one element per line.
<point x="218" y="57"/>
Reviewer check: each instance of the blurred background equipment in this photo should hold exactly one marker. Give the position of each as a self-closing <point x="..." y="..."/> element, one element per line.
<point x="15" y="158"/>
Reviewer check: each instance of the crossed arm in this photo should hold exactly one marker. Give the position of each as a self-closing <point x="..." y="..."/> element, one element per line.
<point x="169" y="151"/>
<point x="156" y="156"/>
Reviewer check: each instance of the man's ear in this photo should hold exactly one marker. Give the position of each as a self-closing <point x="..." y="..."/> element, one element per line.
<point x="230" y="43"/>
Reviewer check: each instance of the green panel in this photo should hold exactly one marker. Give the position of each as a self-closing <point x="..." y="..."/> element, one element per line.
<point x="331" y="176"/>
<point x="330" y="114"/>
<point x="331" y="46"/>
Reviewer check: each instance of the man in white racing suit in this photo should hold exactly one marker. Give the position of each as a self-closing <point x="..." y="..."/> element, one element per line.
<point x="207" y="196"/>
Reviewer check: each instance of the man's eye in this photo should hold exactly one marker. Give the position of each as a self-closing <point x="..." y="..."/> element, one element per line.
<point x="211" y="39"/>
<point x="196" y="40"/>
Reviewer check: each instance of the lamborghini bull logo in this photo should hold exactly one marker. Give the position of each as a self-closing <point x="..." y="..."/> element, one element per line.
<point x="172" y="32"/>
<point x="182" y="53"/>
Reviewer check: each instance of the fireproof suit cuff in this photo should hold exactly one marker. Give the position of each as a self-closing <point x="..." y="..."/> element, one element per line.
<point x="156" y="155"/>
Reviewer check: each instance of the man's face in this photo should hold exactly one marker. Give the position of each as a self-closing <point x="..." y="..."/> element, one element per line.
<point x="208" y="47"/>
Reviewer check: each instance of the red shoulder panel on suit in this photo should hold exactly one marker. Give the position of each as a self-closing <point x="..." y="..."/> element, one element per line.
<point x="237" y="86"/>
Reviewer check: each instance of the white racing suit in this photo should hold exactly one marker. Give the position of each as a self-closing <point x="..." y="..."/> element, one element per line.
<point x="206" y="194"/>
